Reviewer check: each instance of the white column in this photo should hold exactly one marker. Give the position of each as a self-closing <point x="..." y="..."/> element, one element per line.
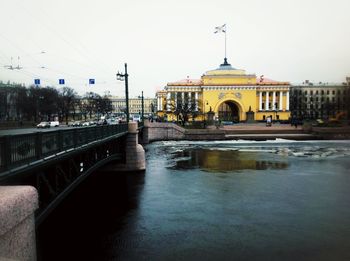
<point x="168" y="101"/>
<point x="160" y="103"/>
<point x="260" y="101"/>
<point x="280" y="103"/>
<point x="189" y="100"/>
<point x="287" y="101"/>
<point x="175" y="103"/>
<point x="196" y="100"/>
<point x="183" y="99"/>
<point x="267" y="101"/>
<point x="274" y="100"/>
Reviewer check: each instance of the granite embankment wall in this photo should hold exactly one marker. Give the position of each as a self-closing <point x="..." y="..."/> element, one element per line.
<point x="157" y="131"/>
<point x="331" y="133"/>
<point x="17" y="227"/>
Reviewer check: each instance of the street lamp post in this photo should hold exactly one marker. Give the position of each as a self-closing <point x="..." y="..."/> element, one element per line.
<point x="142" y="104"/>
<point x="121" y="77"/>
<point x="142" y="107"/>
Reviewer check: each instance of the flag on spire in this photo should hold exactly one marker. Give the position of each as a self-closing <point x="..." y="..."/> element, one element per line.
<point x="220" y="29"/>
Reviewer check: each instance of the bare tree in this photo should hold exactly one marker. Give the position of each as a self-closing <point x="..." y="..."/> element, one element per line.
<point x="67" y="102"/>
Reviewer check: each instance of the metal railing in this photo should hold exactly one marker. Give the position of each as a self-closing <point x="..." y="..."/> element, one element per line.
<point x="21" y="149"/>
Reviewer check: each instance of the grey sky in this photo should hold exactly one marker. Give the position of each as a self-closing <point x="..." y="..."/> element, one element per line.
<point x="164" y="41"/>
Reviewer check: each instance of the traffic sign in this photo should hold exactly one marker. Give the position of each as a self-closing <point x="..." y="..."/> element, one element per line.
<point x="60" y="81"/>
<point x="37" y="81"/>
<point x="91" y="81"/>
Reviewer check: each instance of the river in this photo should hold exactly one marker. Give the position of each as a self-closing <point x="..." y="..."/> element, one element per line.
<point x="223" y="200"/>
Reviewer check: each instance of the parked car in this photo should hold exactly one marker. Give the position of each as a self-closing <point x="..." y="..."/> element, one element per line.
<point x="43" y="124"/>
<point x="77" y="124"/>
<point x="54" y="124"/>
<point x="86" y="123"/>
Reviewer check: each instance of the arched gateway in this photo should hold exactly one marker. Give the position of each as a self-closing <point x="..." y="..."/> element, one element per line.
<point x="229" y="111"/>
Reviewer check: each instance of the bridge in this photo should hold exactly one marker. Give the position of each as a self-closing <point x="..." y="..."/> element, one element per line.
<point x="54" y="163"/>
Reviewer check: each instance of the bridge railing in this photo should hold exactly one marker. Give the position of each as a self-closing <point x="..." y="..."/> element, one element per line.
<point x="17" y="150"/>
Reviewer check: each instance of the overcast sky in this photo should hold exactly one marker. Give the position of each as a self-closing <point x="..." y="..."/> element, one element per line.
<point x="164" y="41"/>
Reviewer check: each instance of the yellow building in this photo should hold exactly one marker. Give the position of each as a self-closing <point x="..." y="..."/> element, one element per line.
<point x="135" y="105"/>
<point x="230" y="93"/>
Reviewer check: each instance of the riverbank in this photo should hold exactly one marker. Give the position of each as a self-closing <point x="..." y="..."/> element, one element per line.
<point x="253" y="131"/>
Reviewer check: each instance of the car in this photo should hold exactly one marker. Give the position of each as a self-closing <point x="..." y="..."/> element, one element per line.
<point x="43" y="124"/>
<point x="136" y="118"/>
<point x="112" y="121"/>
<point x="77" y="124"/>
<point x="54" y="124"/>
<point x="86" y="123"/>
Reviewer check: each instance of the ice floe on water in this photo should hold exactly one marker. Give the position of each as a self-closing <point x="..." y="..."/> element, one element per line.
<point x="288" y="148"/>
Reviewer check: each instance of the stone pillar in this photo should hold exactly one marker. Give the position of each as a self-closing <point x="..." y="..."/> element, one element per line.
<point x="168" y="101"/>
<point x="158" y="103"/>
<point x="183" y="99"/>
<point x="175" y="100"/>
<point x="17" y="224"/>
<point x="135" y="154"/>
<point x="274" y="100"/>
<point x="161" y="103"/>
<point x="189" y="99"/>
<point x="287" y="101"/>
<point x="196" y="100"/>
<point x="281" y="99"/>
<point x="260" y="101"/>
<point x="267" y="102"/>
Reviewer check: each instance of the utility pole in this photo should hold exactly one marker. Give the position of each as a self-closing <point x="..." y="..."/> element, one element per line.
<point x="142" y="104"/>
<point x="122" y="77"/>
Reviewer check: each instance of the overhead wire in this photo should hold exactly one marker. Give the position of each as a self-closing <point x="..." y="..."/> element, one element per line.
<point x="42" y="65"/>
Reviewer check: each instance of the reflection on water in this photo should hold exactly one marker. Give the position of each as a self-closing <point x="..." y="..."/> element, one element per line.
<point x="222" y="160"/>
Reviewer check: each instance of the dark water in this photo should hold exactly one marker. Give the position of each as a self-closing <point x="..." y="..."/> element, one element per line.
<point x="212" y="201"/>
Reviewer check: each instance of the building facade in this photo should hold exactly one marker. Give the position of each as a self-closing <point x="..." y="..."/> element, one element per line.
<point x="135" y="105"/>
<point x="229" y="93"/>
<point x="321" y="101"/>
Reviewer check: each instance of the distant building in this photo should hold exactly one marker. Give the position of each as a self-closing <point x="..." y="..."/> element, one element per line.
<point x="319" y="101"/>
<point x="9" y="109"/>
<point x="135" y="105"/>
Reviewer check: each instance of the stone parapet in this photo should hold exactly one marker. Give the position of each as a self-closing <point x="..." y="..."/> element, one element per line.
<point x="17" y="224"/>
<point x="162" y="131"/>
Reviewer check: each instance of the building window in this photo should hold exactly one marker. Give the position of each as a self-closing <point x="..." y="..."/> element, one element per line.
<point x="317" y="92"/>
<point x="333" y="92"/>
<point x="322" y="92"/>
<point x="327" y="92"/>
<point x="311" y="92"/>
